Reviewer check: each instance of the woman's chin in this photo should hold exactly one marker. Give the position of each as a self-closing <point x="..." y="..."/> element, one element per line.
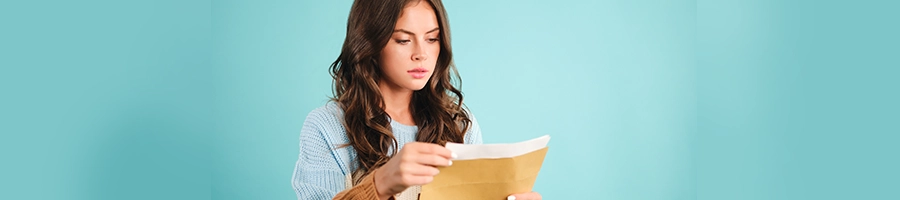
<point x="417" y="88"/>
<point x="416" y="85"/>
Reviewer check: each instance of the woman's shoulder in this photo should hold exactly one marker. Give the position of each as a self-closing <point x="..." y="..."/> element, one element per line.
<point x="326" y="113"/>
<point x="326" y="118"/>
<point x="473" y="134"/>
<point x="324" y="131"/>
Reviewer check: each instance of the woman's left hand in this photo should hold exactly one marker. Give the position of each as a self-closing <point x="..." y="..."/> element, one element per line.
<point x="525" y="196"/>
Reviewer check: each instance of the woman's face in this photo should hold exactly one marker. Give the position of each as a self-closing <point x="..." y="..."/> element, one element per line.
<point x="409" y="59"/>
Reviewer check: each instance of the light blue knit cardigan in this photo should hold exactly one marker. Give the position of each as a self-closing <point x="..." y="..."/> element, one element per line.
<point x="322" y="168"/>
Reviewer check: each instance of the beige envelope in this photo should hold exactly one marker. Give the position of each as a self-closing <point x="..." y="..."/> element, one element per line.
<point x="493" y="179"/>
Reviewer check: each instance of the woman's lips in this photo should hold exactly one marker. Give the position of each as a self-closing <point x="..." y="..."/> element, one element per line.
<point x="418" y="73"/>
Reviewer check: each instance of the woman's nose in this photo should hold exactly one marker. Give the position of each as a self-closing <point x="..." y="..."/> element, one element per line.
<point x="419" y="54"/>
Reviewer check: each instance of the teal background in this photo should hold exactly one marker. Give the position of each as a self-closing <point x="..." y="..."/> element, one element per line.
<point x="644" y="99"/>
<point x="797" y="100"/>
<point x="105" y="99"/>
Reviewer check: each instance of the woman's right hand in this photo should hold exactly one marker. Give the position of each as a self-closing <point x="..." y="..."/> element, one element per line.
<point x="415" y="164"/>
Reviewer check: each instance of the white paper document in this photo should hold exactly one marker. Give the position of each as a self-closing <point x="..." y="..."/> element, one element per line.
<point x="494" y="151"/>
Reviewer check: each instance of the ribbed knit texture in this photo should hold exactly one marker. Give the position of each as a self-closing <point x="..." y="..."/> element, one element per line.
<point x="365" y="190"/>
<point x="322" y="167"/>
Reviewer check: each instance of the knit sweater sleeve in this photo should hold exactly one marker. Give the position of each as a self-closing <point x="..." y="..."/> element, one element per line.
<point x="317" y="173"/>
<point x="364" y="190"/>
<point x="473" y="135"/>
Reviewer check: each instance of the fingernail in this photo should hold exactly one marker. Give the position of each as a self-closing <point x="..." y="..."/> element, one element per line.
<point x="511" y="197"/>
<point x="453" y="155"/>
<point x="450" y="163"/>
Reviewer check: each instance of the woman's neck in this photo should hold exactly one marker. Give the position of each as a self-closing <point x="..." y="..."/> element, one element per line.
<point x="396" y="102"/>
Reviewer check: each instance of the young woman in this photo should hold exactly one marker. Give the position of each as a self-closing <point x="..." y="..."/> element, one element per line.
<point x="382" y="135"/>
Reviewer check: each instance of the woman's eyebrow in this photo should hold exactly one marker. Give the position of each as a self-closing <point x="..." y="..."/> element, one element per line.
<point x="411" y="33"/>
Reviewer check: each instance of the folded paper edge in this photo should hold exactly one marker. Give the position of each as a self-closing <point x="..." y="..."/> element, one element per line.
<point x="518" y="149"/>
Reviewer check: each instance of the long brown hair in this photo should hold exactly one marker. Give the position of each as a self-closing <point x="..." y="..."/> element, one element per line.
<point x="436" y="109"/>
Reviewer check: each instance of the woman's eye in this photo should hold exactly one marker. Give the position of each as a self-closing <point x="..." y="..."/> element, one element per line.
<point x="403" y="41"/>
<point x="433" y="40"/>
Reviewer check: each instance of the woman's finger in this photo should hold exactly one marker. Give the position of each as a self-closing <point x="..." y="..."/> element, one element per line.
<point x="525" y="196"/>
<point x="418" y="180"/>
<point x="436" y="150"/>
<point x="433" y="160"/>
<point x="423" y="170"/>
